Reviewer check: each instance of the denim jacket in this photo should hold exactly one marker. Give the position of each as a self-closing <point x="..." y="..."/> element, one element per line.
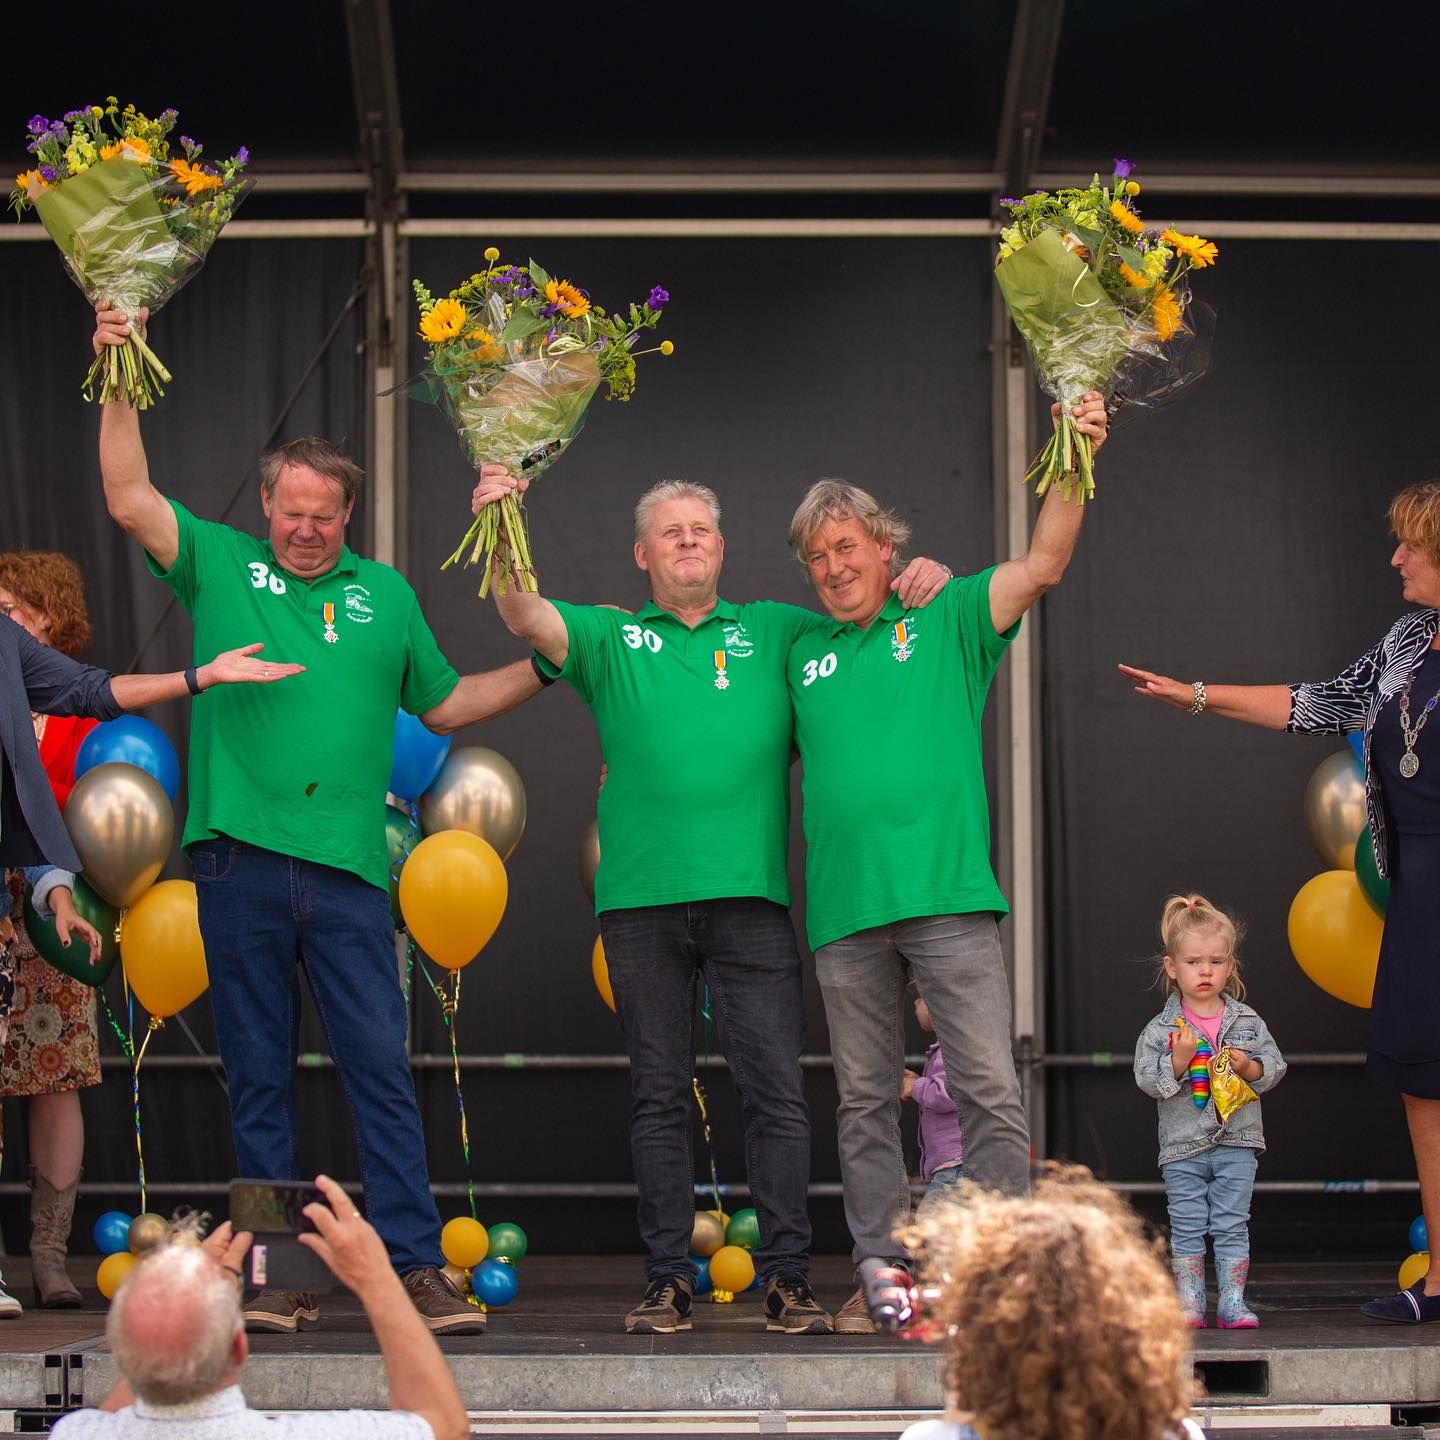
<point x="1185" y="1129"/>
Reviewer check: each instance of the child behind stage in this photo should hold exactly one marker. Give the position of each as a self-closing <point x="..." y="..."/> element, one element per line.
<point x="1208" y="1162"/>
<point x="942" y="1149"/>
<point x="1059" y="1318"/>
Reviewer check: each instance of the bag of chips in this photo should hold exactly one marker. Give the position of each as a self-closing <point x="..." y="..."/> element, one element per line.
<point x="1229" y="1090"/>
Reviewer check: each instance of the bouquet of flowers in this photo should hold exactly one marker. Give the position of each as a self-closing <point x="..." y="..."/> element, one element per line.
<point x="514" y="359"/>
<point x="133" y="220"/>
<point x="1104" y="304"/>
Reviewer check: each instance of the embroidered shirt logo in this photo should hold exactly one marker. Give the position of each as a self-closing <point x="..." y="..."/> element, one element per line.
<point x="357" y="605"/>
<point x="738" y="644"/>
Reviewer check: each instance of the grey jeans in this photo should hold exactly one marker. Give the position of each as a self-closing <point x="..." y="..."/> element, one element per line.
<point x="960" y="972"/>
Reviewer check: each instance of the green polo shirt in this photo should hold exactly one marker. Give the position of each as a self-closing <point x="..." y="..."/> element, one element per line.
<point x="301" y="765"/>
<point x="888" y="724"/>
<point x="697" y="731"/>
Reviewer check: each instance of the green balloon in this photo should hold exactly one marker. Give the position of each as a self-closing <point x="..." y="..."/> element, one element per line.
<point x="743" y="1229"/>
<point x="402" y="835"/>
<point x="75" y="961"/>
<point x="507" y="1242"/>
<point x="1373" y="885"/>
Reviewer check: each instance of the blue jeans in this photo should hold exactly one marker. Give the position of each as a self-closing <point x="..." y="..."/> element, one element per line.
<point x="1210" y="1192"/>
<point x="959" y="969"/>
<point x="264" y="917"/>
<point x="745" y="951"/>
<point x="944" y="1186"/>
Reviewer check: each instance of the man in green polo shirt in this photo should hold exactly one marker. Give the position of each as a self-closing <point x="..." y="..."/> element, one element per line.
<point x="695" y="725"/>
<point x="888" y="705"/>
<point x="286" y="831"/>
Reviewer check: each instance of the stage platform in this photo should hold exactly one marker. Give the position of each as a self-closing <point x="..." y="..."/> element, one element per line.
<point x="556" y="1361"/>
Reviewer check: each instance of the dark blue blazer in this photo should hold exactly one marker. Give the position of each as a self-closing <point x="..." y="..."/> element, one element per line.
<point x="35" y="677"/>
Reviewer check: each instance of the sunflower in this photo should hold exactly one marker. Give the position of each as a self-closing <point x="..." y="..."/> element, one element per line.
<point x="486" y="350"/>
<point x="1166" y="313"/>
<point x="1198" y="252"/>
<point x="443" y="321"/>
<point x="1126" y="217"/>
<point x="193" y="178"/>
<point x="132" y="147"/>
<point x="1133" y="277"/>
<point x="569" y="301"/>
<point x="32" y="182"/>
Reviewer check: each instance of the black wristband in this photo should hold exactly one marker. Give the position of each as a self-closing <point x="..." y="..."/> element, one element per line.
<point x="192" y="680"/>
<point x="540" y="675"/>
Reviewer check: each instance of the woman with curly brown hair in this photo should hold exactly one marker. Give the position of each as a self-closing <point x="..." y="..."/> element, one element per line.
<point x="1060" y="1316"/>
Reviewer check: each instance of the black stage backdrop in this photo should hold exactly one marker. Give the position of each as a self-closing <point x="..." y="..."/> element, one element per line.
<point x="1238" y="536"/>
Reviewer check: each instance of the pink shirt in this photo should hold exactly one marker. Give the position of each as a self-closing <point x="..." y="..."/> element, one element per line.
<point x="1207" y="1025"/>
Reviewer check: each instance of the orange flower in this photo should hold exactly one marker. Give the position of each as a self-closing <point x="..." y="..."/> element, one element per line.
<point x="486" y="349"/>
<point x="132" y="147"/>
<point x="1198" y="252"/>
<point x="1133" y="277"/>
<point x="32" y="182"/>
<point x="1165" y="311"/>
<point x="567" y="299"/>
<point x="195" y="180"/>
<point x="1127" y="218"/>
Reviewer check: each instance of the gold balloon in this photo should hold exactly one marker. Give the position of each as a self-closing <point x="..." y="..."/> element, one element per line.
<point x="708" y="1235"/>
<point x="147" y="1231"/>
<point x="590" y="860"/>
<point x="600" y="974"/>
<point x="161" y="949"/>
<point x="452" y="893"/>
<point x="480" y="791"/>
<point x="120" y="819"/>
<point x="1335" y="936"/>
<point x="457" y="1276"/>
<point x="1335" y="809"/>
<point x="112" y="1272"/>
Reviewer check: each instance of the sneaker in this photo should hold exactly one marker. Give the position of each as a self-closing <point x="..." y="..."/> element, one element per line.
<point x="791" y="1309"/>
<point x="442" y="1307"/>
<point x="853" y="1317"/>
<point x="9" y="1305"/>
<point x="665" y="1308"/>
<point x="281" y="1312"/>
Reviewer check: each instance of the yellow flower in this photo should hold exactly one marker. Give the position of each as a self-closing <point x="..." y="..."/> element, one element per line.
<point x="1156" y="261"/>
<point x="1126" y="217"/>
<point x="1133" y="277"/>
<point x="1166" y="313"/>
<point x="443" y="321"/>
<point x="491" y="254"/>
<point x="132" y="147"/>
<point x="667" y="347"/>
<point x="486" y="349"/>
<point x="567" y="299"/>
<point x="1198" y="252"/>
<point x="195" y="180"/>
<point x="32" y="182"/>
<point x="1132" y="187"/>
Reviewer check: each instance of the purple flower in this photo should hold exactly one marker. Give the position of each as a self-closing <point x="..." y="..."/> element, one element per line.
<point x="554" y="331"/>
<point x="658" y="299"/>
<point x="188" y="143"/>
<point x="172" y="114"/>
<point x="1008" y="200"/>
<point x="34" y="146"/>
<point x="524" y="291"/>
<point x="57" y="129"/>
<point x="1123" y="168"/>
<point x="38" y="125"/>
<point x="50" y="173"/>
<point x="73" y="115"/>
<point x="242" y="156"/>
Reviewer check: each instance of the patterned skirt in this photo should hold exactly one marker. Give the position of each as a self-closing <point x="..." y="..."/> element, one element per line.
<point x="52" y="1042"/>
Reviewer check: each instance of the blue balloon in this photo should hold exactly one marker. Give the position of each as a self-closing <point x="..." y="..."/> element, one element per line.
<point x="494" y="1282"/>
<point x="132" y="740"/>
<point x="1357" y="744"/>
<point x="703" y="1283"/>
<point x="419" y="754"/>
<point x="112" y="1232"/>
<point x="1419" y="1237"/>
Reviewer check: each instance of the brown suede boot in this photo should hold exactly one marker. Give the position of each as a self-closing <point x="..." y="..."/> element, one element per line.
<point x="51" y="1211"/>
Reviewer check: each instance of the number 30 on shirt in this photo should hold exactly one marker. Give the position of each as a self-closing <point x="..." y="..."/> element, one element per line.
<point x="821" y="669"/>
<point x="635" y="637"/>
<point x="260" y="576"/>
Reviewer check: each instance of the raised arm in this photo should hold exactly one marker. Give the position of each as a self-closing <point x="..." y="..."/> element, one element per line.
<point x="532" y="617"/>
<point x="1017" y="584"/>
<point x="134" y="503"/>
<point x="1264" y="705"/>
<point x="483" y="696"/>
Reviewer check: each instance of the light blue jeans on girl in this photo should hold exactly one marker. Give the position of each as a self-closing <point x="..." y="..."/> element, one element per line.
<point x="1209" y="1193"/>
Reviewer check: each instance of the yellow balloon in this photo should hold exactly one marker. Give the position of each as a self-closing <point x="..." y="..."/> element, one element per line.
<point x="112" y="1272"/>
<point x="731" y="1268"/>
<point x="708" y="1235"/>
<point x="464" y="1242"/>
<point x="452" y="894"/>
<point x="1335" y="808"/>
<point x="161" y="949"/>
<point x="1335" y="936"/>
<point x="1413" y="1267"/>
<point x="600" y="973"/>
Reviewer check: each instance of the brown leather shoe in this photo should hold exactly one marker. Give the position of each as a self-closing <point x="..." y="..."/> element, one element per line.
<point x="442" y="1307"/>
<point x="281" y="1312"/>
<point x="853" y="1317"/>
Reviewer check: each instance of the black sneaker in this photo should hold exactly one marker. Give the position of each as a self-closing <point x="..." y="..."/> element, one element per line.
<point x="665" y="1308"/>
<point x="791" y="1309"/>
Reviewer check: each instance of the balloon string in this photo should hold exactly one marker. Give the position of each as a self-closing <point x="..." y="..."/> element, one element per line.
<point x="155" y="1024"/>
<point x="707" y="1014"/>
<point x="125" y="1042"/>
<point x="449" y="1007"/>
<point x="408" y="982"/>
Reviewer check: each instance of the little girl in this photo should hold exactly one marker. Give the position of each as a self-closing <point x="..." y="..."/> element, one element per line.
<point x="942" y="1149"/>
<point x="1181" y="1059"/>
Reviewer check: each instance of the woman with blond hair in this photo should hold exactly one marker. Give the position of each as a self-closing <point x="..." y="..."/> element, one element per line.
<point x="1060" y="1317"/>
<point x="1390" y="693"/>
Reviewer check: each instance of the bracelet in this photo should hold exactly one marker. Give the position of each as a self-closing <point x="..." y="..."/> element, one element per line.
<point x="192" y="680"/>
<point x="1197" y="707"/>
<point x="540" y="675"/>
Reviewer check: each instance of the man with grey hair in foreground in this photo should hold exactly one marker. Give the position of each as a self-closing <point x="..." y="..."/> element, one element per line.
<point x="888" y="707"/>
<point x="696" y="729"/>
<point x="179" y="1343"/>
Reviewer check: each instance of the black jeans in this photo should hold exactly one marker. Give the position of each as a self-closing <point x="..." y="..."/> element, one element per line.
<point x="745" y="950"/>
